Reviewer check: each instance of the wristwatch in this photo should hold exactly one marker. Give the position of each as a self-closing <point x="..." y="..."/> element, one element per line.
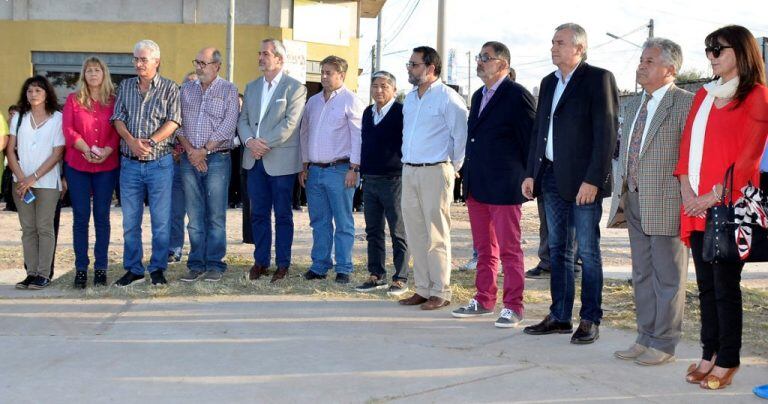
<point x="152" y="142"/>
<point x="355" y="169"/>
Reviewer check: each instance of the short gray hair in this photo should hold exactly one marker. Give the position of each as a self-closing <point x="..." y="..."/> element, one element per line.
<point x="501" y="50"/>
<point x="216" y="56"/>
<point x="389" y="77"/>
<point x="579" y="36"/>
<point x="279" y="48"/>
<point x="671" y="52"/>
<point x="153" y="47"/>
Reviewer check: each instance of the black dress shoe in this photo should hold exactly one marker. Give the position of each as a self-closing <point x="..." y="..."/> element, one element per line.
<point x="39" y="283"/>
<point x="309" y="275"/>
<point x="549" y="326"/>
<point x="587" y="333"/>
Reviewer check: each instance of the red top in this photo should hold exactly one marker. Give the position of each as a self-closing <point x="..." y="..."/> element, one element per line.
<point x="732" y="135"/>
<point x="94" y="127"/>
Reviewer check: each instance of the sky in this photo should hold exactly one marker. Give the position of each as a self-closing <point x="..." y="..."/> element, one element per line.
<point x="526" y="27"/>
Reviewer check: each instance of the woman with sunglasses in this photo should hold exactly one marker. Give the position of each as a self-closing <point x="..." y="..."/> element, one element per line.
<point x="727" y="125"/>
<point x="34" y="152"/>
<point x="92" y="165"/>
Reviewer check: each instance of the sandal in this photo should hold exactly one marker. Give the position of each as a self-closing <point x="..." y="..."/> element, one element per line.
<point x="694" y="376"/>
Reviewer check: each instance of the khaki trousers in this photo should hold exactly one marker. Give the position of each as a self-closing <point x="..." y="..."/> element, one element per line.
<point x="426" y="206"/>
<point x="37" y="236"/>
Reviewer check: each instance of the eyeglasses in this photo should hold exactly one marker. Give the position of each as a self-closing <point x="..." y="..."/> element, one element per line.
<point x="201" y="64"/>
<point x="485" y="58"/>
<point x="715" y="50"/>
<point x="141" y="60"/>
<point x="411" y="65"/>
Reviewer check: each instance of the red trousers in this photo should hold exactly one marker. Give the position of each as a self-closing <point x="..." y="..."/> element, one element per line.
<point x="496" y="235"/>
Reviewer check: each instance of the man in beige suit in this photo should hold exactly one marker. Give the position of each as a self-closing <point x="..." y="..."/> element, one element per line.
<point x="647" y="202"/>
<point x="268" y="128"/>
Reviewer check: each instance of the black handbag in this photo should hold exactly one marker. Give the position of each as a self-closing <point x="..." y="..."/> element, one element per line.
<point x="719" y="244"/>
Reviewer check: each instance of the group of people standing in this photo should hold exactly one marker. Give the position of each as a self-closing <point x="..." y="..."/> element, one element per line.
<point x="673" y="153"/>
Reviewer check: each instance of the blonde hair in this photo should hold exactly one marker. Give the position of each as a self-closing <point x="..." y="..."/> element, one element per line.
<point x="106" y="91"/>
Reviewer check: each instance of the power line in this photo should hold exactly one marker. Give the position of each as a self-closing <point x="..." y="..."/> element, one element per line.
<point x="405" y="22"/>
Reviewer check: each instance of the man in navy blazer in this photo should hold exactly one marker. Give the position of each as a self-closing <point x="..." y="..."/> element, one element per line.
<point x="499" y="131"/>
<point x="570" y="164"/>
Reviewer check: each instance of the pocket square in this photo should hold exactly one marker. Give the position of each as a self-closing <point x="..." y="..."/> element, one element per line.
<point x="281" y="100"/>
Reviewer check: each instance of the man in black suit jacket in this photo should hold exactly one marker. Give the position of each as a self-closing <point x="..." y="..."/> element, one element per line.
<point x="570" y="164"/>
<point x="499" y="130"/>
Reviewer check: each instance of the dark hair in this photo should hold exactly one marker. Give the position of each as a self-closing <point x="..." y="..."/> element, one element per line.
<point x="512" y="74"/>
<point x="13" y="108"/>
<point x="749" y="62"/>
<point x="431" y="57"/>
<point x="51" y="102"/>
<point x="501" y="50"/>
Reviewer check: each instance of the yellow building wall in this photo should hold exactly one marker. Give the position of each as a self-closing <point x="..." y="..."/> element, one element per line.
<point x="179" y="43"/>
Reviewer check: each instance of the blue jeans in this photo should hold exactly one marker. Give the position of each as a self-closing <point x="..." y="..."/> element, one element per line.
<point x="564" y="218"/>
<point x="267" y="192"/>
<point x="82" y="185"/>
<point x="329" y="202"/>
<point x="206" y="202"/>
<point x="137" y="180"/>
<point x="178" y="211"/>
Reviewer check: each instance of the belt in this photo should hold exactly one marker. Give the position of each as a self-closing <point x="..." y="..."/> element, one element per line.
<point x="223" y="151"/>
<point x="134" y="158"/>
<point x="425" y="164"/>
<point x="331" y="164"/>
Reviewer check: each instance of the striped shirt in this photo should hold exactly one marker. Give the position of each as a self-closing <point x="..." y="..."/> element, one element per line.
<point x="210" y="115"/>
<point x="330" y="130"/>
<point x="143" y="115"/>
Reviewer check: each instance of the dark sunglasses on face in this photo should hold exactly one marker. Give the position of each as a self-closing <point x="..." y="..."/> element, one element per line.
<point x="715" y="50"/>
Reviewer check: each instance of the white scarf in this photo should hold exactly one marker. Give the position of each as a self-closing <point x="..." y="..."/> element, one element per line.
<point x="715" y="89"/>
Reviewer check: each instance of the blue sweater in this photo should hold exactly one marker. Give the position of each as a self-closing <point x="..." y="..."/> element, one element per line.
<point x="381" y="152"/>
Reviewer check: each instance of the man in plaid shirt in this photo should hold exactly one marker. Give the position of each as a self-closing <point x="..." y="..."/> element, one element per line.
<point x="209" y="109"/>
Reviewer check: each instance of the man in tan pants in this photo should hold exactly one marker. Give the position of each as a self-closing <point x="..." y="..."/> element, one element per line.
<point x="434" y="138"/>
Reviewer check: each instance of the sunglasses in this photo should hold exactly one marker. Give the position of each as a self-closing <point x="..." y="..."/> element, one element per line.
<point x="715" y="50"/>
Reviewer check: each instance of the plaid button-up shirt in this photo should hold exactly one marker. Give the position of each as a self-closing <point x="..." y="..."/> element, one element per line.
<point x="210" y="115"/>
<point x="144" y="114"/>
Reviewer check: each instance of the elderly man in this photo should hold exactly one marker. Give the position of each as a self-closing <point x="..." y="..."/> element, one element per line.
<point x="330" y="148"/>
<point x="268" y="128"/>
<point x="499" y="133"/>
<point x="147" y="113"/>
<point x="434" y="139"/>
<point x="570" y="164"/>
<point x="209" y="109"/>
<point x="647" y="201"/>
<point x="381" y="169"/>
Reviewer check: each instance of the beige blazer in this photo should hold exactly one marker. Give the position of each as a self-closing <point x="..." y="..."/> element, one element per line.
<point x="659" y="190"/>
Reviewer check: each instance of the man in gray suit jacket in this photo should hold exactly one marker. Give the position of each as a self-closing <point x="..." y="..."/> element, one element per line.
<point x="647" y="201"/>
<point x="268" y="127"/>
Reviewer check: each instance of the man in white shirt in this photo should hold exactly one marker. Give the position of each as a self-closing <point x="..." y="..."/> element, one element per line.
<point x="268" y="128"/>
<point x="434" y="138"/>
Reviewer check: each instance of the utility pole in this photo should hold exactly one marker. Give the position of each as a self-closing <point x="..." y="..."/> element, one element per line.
<point x="650" y="29"/>
<point x="442" y="19"/>
<point x="374" y="55"/>
<point x="469" y="77"/>
<point x="377" y="66"/>
<point x="231" y="42"/>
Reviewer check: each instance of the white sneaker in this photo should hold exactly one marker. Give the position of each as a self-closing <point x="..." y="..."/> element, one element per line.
<point x="471" y="265"/>
<point x="508" y="319"/>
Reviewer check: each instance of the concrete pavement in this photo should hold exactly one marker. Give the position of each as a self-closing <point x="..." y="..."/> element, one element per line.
<point x="297" y="349"/>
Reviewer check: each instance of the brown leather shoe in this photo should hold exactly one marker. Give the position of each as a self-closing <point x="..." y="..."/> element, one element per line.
<point x="413" y="300"/>
<point x="279" y="274"/>
<point x="256" y="272"/>
<point x="435" y="303"/>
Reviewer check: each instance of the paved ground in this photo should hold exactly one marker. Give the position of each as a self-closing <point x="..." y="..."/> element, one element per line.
<point x="57" y="348"/>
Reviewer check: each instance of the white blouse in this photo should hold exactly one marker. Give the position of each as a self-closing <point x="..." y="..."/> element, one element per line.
<point x="34" y="146"/>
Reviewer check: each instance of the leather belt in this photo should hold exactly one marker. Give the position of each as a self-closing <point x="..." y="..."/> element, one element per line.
<point x="425" y="164"/>
<point x="331" y="164"/>
<point x="134" y="158"/>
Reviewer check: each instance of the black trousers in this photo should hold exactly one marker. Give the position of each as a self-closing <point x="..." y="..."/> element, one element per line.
<point x="720" y="304"/>
<point x="381" y="197"/>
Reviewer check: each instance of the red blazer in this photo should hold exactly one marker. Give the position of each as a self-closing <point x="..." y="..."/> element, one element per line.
<point x="94" y="127"/>
<point x="732" y="136"/>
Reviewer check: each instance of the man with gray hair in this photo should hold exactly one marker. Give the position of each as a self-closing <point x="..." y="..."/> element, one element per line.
<point x="647" y="201"/>
<point x="147" y="113"/>
<point x="570" y="165"/>
<point x="268" y="128"/>
<point x="209" y="109"/>
<point x="381" y="169"/>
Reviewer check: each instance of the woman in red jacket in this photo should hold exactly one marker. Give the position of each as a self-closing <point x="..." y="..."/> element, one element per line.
<point x="92" y="165"/>
<point x="727" y="125"/>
